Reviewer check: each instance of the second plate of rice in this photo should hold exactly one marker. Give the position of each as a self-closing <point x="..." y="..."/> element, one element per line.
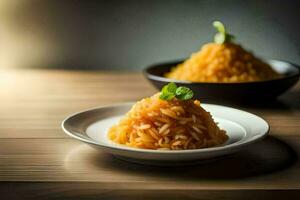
<point x="223" y="71"/>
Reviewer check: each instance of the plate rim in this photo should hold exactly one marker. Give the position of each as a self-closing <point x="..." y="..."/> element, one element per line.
<point x="229" y="147"/>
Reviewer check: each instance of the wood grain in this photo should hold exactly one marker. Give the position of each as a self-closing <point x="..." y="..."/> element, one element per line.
<point x="37" y="160"/>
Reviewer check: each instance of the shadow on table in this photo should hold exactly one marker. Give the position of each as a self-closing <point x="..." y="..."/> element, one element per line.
<point x="267" y="156"/>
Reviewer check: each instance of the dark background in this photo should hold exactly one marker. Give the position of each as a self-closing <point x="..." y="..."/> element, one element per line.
<point x="129" y="35"/>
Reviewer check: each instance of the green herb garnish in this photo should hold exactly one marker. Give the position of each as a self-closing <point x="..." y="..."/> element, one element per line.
<point x="184" y="93"/>
<point x="169" y="91"/>
<point x="222" y="36"/>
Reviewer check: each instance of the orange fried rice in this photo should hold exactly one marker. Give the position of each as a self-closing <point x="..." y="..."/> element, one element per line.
<point x="153" y="123"/>
<point x="225" y="63"/>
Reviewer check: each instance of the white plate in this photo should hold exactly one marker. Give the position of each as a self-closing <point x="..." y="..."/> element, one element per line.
<point x="92" y="126"/>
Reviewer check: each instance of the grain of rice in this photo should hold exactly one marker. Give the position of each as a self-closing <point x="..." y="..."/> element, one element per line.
<point x="180" y="136"/>
<point x="163" y="128"/>
<point x="160" y="142"/>
<point x="187" y="143"/>
<point x="146" y="138"/>
<point x="154" y="130"/>
<point x="153" y="134"/>
<point x="144" y="126"/>
<point x="194" y="135"/>
<point x="167" y="140"/>
<point x="166" y="132"/>
<point x="164" y="148"/>
<point x="200" y="126"/>
<point x="178" y="109"/>
<point x="176" y="143"/>
<point x="164" y="120"/>
<point x="158" y="123"/>
<point x="197" y="129"/>
<point x="194" y="118"/>
<point x="184" y="137"/>
<point x="169" y="113"/>
<point x="187" y="119"/>
<point x="131" y="137"/>
<point x="139" y="133"/>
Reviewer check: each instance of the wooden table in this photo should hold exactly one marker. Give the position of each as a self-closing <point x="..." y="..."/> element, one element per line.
<point x="38" y="161"/>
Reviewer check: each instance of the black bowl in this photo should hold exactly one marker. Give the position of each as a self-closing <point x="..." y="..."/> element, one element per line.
<point x="243" y="92"/>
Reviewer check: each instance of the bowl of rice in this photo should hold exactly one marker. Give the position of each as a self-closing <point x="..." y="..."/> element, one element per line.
<point x="224" y="71"/>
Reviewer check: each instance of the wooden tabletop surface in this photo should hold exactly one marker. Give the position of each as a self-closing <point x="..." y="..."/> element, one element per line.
<point x="39" y="161"/>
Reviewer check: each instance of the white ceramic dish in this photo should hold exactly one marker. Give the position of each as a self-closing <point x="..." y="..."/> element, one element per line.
<point x="91" y="127"/>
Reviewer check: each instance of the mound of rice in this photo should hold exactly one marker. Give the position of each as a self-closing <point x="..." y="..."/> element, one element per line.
<point x="226" y="62"/>
<point x="153" y="123"/>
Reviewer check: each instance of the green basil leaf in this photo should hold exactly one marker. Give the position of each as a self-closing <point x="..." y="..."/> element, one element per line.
<point x="171" y="90"/>
<point x="166" y="96"/>
<point x="168" y="91"/>
<point x="229" y="38"/>
<point x="181" y="90"/>
<point x="220" y="38"/>
<point x="184" y="93"/>
<point x="219" y="26"/>
<point x="171" y="87"/>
